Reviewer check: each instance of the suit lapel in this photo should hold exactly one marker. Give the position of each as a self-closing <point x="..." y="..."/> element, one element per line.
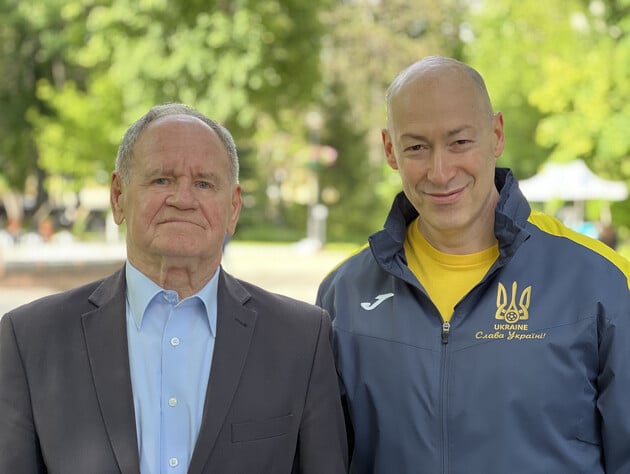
<point x="235" y="327"/>
<point x="106" y="339"/>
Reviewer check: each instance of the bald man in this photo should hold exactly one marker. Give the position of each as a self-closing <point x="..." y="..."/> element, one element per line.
<point x="472" y="334"/>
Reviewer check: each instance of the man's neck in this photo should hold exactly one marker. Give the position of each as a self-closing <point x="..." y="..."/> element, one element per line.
<point x="185" y="276"/>
<point x="459" y="243"/>
<point x="472" y="239"/>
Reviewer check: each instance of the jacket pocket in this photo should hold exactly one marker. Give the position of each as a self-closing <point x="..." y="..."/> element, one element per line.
<point x="253" y="430"/>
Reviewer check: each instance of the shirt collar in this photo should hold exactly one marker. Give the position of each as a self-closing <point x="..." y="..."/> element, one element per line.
<point x="141" y="290"/>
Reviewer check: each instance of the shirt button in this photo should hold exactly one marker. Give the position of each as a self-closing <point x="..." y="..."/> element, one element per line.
<point x="173" y="462"/>
<point x="172" y="402"/>
<point x="175" y="341"/>
<point x="170" y="297"/>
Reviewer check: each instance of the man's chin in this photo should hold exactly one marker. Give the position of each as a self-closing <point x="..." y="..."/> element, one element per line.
<point x="178" y="246"/>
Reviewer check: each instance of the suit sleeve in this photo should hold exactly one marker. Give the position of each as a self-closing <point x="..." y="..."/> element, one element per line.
<point x="19" y="447"/>
<point x="322" y="439"/>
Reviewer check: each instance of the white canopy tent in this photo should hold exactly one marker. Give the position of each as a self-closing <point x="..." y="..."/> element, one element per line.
<point x="572" y="181"/>
<point x="575" y="182"/>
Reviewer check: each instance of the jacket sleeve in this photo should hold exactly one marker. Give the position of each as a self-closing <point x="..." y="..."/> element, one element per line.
<point x="325" y="299"/>
<point x="19" y="447"/>
<point x="322" y="439"/>
<point x="614" y="388"/>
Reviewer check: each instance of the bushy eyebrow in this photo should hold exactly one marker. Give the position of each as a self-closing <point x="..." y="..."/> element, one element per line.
<point x="207" y="176"/>
<point x="150" y="172"/>
<point x="169" y="172"/>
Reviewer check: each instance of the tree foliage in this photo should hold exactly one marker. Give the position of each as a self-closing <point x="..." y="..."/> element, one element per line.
<point x="33" y="43"/>
<point x="561" y="75"/>
<point x="366" y="45"/>
<point x="75" y="73"/>
<point x="232" y="60"/>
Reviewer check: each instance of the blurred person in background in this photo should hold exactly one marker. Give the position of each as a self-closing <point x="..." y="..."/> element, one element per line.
<point x="473" y="335"/>
<point x="608" y="235"/>
<point x="171" y="364"/>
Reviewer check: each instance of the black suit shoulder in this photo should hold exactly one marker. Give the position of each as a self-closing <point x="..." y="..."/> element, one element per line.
<point x="56" y="301"/>
<point x="56" y="312"/>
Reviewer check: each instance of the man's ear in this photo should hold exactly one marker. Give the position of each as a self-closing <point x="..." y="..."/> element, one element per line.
<point x="499" y="144"/>
<point x="116" y="198"/>
<point x="237" y="203"/>
<point x="388" y="147"/>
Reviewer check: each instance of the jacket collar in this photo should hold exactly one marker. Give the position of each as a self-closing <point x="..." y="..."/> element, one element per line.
<point x="235" y="328"/>
<point x="511" y="216"/>
<point x="105" y="335"/>
<point x="106" y="339"/>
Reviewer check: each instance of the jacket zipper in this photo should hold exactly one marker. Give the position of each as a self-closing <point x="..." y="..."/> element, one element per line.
<point x="446" y="329"/>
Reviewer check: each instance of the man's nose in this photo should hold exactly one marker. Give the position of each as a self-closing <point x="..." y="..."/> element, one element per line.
<point x="182" y="196"/>
<point x="440" y="169"/>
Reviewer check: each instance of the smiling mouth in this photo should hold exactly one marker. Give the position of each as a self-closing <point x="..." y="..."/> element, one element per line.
<point x="445" y="198"/>
<point x="440" y="195"/>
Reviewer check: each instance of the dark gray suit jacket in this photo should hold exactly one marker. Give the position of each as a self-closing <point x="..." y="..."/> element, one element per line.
<point x="66" y="404"/>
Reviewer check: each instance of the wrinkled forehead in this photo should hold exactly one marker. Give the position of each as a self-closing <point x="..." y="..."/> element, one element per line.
<point x="177" y="141"/>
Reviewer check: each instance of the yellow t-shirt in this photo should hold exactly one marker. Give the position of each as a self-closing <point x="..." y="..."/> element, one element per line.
<point x="446" y="277"/>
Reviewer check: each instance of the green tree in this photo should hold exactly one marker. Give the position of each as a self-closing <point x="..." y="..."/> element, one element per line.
<point x="349" y="180"/>
<point x="34" y="40"/>
<point x="367" y="44"/>
<point x="76" y="73"/>
<point x="562" y="78"/>
<point x="232" y="60"/>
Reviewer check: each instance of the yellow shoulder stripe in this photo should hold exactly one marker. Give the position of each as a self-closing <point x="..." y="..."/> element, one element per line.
<point x="352" y="254"/>
<point x="553" y="226"/>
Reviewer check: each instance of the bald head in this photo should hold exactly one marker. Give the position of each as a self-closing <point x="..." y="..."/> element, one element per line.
<point x="444" y="140"/>
<point x="438" y="68"/>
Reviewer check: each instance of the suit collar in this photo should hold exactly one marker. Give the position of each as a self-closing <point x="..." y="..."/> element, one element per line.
<point x="106" y="340"/>
<point x="105" y="335"/>
<point x="235" y="327"/>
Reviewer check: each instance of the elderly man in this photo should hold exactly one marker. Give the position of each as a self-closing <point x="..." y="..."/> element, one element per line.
<point x="170" y="365"/>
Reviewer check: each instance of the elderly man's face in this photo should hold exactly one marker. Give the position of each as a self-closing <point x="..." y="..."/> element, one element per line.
<point x="179" y="201"/>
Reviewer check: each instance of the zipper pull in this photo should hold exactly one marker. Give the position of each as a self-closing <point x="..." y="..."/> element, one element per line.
<point x="446" y="329"/>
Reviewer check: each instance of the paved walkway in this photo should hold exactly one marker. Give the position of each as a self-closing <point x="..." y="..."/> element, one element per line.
<point x="35" y="271"/>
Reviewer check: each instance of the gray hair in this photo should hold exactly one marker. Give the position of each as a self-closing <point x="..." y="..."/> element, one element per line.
<point x="435" y="63"/>
<point x="126" y="149"/>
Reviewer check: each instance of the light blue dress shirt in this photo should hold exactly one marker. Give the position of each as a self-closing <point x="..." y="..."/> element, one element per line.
<point x="170" y="354"/>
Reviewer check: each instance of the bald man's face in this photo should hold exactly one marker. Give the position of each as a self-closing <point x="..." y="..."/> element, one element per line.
<point x="444" y="141"/>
